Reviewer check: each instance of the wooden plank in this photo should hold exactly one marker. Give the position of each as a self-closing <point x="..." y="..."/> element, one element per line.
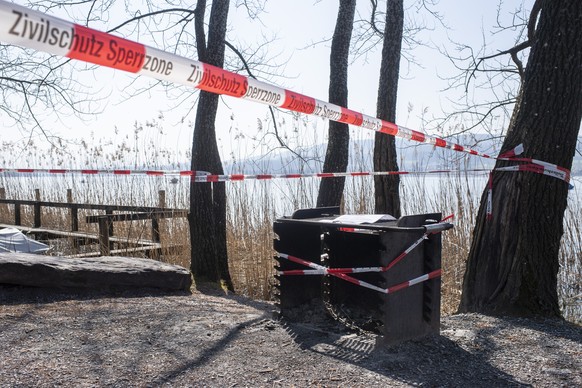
<point x="88" y="206"/>
<point x="116" y="252"/>
<point x="85" y="235"/>
<point x="137" y="216"/>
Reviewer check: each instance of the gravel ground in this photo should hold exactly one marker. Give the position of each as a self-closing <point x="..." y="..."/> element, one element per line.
<point x="64" y="338"/>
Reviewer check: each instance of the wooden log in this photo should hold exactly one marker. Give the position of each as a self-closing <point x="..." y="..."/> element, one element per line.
<point x="100" y="273"/>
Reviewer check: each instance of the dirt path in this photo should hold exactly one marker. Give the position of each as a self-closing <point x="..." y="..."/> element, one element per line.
<point x="51" y="338"/>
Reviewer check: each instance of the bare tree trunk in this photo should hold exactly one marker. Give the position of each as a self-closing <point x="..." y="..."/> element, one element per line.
<point x="336" y="158"/>
<point x="209" y="260"/>
<point x="387" y="193"/>
<point x="513" y="262"/>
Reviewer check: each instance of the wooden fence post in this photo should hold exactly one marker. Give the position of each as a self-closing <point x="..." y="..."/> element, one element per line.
<point x="74" y="213"/>
<point x="104" y="247"/>
<point x="110" y="230"/>
<point x="155" y="229"/>
<point x="37" y="215"/>
<point x="17" y="218"/>
<point x="4" y="207"/>
<point x="155" y="254"/>
<point x="37" y="209"/>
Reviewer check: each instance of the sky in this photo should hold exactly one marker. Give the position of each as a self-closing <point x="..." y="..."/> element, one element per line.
<point x="298" y="26"/>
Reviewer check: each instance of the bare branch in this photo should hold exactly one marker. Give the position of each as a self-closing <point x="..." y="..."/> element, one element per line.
<point x="254" y="7"/>
<point x="250" y="73"/>
<point x="138" y="17"/>
<point x="512" y="51"/>
<point x="373" y="17"/>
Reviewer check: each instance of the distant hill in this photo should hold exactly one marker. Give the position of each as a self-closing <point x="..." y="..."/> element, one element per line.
<point x="411" y="157"/>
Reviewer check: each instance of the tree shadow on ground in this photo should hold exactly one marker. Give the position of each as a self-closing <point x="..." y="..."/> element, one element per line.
<point x="434" y="360"/>
<point x="186" y="367"/>
<point x="557" y="327"/>
<point x="214" y="289"/>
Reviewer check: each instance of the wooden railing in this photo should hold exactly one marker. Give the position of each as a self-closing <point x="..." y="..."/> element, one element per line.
<point x="105" y="222"/>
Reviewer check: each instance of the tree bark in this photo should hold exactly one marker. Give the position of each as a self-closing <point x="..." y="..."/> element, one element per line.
<point x="336" y="157"/>
<point x="387" y="188"/>
<point x="513" y="262"/>
<point x="207" y="220"/>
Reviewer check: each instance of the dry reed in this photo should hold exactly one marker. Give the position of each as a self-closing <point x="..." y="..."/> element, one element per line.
<point x="253" y="206"/>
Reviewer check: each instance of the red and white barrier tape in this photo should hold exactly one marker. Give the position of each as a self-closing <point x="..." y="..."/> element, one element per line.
<point x="105" y="172"/>
<point x="423" y="278"/>
<point x="538" y="168"/>
<point x="25" y="27"/>
<point x="350" y="279"/>
<point x="319" y="270"/>
<point x="533" y="165"/>
<point x="331" y="271"/>
<point x="240" y="177"/>
<point x="204" y="176"/>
